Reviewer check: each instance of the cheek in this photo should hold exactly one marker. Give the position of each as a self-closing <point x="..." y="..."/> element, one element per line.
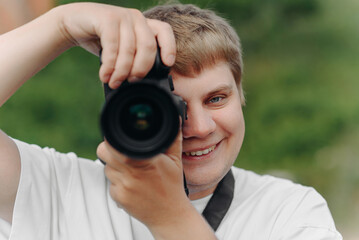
<point x="231" y="122"/>
<point x="240" y="125"/>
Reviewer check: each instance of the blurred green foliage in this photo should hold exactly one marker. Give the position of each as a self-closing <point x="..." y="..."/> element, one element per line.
<point x="302" y="112"/>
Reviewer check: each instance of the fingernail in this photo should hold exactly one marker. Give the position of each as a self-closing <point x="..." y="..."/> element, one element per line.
<point x="116" y="84"/>
<point x="133" y="79"/>
<point x="171" y="59"/>
<point x="106" y="78"/>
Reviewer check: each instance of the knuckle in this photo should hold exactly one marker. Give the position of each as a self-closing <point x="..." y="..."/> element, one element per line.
<point x="109" y="15"/>
<point x="136" y="13"/>
<point x="139" y="72"/>
<point x="129" y="51"/>
<point x="122" y="71"/>
<point x="115" y="193"/>
<point x="109" y="172"/>
<point x="127" y="186"/>
<point x="111" y="51"/>
<point x="119" y="76"/>
<point x="150" y="45"/>
<point x="163" y="26"/>
<point x="166" y="26"/>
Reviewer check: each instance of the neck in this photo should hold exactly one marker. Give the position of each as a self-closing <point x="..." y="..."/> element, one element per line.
<point x="195" y="194"/>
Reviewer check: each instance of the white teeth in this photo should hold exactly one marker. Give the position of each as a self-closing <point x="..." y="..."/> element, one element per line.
<point x="200" y="153"/>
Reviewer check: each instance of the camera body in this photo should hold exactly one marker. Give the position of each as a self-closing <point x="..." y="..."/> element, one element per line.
<point x="141" y="119"/>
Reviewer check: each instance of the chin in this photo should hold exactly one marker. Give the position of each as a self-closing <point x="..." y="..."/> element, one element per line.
<point x="199" y="179"/>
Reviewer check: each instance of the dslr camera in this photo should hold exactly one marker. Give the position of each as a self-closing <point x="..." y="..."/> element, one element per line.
<point x="141" y="119"/>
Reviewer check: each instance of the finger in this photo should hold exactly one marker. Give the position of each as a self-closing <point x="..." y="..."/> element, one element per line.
<point x="110" y="45"/>
<point x="100" y="151"/>
<point x="126" y="54"/>
<point x="120" y="160"/>
<point x="107" y="155"/>
<point x="175" y="150"/>
<point x="114" y="175"/>
<point x="116" y="179"/>
<point x="146" y="49"/>
<point x="165" y="39"/>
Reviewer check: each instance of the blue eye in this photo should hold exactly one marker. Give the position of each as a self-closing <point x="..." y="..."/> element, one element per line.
<point x="215" y="99"/>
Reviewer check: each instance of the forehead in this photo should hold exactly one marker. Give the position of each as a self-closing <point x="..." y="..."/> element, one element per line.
<point x="211" y="79"/>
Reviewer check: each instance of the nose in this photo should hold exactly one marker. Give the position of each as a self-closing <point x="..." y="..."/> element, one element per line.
<point x="199" y="124"/>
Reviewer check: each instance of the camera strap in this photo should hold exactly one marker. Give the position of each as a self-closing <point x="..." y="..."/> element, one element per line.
<point x="220" y="202"/>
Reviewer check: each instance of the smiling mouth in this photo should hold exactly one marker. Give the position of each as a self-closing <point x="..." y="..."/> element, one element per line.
<point x="200" y="153"/>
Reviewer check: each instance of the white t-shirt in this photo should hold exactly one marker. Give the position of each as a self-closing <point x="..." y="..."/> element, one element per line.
<point x="62" y="196"/>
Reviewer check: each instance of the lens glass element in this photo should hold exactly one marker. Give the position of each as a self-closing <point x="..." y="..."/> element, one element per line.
<point x="141" y="116"/>
<point x="141" y="119"/>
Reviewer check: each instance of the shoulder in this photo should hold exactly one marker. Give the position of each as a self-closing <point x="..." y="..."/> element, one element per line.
<point x="51" y="164"/>
<point x="250" y="185"/>
<point x="279" y="206"/>
<point x="53" y="172"/>
<point x="39" y="154"/>
<point x="272" y="191"/>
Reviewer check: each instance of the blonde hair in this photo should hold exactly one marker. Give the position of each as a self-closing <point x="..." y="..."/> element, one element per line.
<point x="203" y="39"/>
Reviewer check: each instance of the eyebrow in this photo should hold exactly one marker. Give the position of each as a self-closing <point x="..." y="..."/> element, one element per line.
<point x="221" y="88"/>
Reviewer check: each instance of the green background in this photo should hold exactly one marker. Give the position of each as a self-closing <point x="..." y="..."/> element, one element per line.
<point x="302" y="113"/>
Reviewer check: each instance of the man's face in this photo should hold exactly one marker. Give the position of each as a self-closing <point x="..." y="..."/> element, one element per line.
<point x="214" y="131"/>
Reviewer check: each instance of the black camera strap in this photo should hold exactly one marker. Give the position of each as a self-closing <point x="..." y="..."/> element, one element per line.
<point x="220" y="202"/>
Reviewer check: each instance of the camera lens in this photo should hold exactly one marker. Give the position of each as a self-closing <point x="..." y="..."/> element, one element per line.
<point x="141" y="115"/>
<point x="141" y="120"/>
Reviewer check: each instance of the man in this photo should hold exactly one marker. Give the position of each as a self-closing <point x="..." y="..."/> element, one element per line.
<point x="48" y="195"/>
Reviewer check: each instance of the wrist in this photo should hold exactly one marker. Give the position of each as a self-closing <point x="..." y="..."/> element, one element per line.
<point x="61" y="13"/>
<point x="188" y="224"/>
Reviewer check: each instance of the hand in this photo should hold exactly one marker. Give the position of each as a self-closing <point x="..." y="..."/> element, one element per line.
<point x="127" y="38"/>
<point x="151" y="190"/>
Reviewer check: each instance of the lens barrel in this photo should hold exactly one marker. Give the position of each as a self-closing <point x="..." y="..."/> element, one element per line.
<point x="141" y="119"/>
